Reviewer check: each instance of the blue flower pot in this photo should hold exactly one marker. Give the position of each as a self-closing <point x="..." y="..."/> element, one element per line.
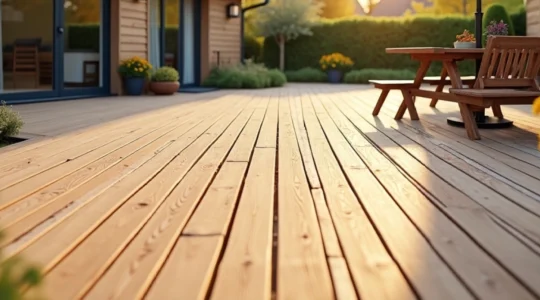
<point x="134" y="86"/>
<point x="334" y="76"/>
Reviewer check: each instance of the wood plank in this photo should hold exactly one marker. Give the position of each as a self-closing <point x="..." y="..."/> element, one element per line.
<point x="38" y="207"/>
<point x="400" y="236"/>
<point x="268" y="134"/>
<point x="160" y="209"/>
<point x="303" y="143"/>
<point x="149" y="251"/>
<point x="505" y="208"/>
<point x="76" y="223"/>
<point x="469" y="261"/>
<point x="245" y="269"/>
<point x="472" y="217"/>
<point x="302" y="270"/>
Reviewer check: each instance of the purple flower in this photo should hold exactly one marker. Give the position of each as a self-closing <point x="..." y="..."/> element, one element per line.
<point x="495" y="28"/>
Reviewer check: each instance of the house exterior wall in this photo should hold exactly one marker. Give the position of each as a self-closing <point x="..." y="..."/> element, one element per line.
<point x="220" y="36"/>
<point x="130" y="35"/>
<point x="533" y="17"/>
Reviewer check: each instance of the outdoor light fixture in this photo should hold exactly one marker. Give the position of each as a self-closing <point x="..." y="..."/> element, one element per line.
<point x="233" y="11"/>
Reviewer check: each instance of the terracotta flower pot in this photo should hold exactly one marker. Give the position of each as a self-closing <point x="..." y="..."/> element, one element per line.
<point x="164" y="88"/>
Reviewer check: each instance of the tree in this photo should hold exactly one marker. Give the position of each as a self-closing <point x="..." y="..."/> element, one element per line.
<point x="338" y="8"/>
<point x="286" y="20"/>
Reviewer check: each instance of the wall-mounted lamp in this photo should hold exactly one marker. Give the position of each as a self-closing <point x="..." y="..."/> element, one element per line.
<point x="233" y="11"/>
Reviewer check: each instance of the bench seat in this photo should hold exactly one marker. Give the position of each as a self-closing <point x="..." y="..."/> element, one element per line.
<point x="494" y="93"/>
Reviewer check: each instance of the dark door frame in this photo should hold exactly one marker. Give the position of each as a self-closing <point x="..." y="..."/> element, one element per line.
<point x="58" y="92"/>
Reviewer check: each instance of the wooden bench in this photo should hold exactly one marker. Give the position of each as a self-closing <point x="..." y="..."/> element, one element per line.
<point x="387" y="85"/>
<point x="507" y="75"/>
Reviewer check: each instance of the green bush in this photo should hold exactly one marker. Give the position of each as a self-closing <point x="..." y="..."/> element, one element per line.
<point x="365" y="39"/>
<point x="306" y="75"/>
<point x="252" y="48"/>
<point x="363" y="76"/>
<point x="10" y="121"/>
<point x="248" y="76"/>
<point x="165" y="74"/>
<point x="497" y="12"/>
<point x="519" y="20"/>
<point x="17" y="278"/>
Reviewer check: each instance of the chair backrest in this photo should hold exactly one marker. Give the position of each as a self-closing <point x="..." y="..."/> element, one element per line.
<point x="25" y="59"/>
<point x="510" y="62"/>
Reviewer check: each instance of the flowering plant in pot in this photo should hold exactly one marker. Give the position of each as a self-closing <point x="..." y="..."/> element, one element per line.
<point x="465" y="40"/>
<point x="134" y="72"/>
<point x="164" y="81"/>
<point x="496" y="28"/>
<point x="334" y="65"/>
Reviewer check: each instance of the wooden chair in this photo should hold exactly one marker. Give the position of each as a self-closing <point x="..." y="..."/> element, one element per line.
<point x="507" y="76"/>
<point x="91" y="73"/>
<point x="25" y="63"/>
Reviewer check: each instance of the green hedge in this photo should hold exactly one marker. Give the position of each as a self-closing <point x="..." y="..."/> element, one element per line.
<point x="363" y="76"/>
<point x="365" y="39"/>
<point x="248" y="76"/>
<point x="306" y="75"/>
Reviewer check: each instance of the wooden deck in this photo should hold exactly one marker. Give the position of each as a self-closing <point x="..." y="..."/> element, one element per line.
<point x="293" y="193"/>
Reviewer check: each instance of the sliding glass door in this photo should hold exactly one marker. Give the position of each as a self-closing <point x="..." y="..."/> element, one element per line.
<point x="174" y="37"/>
<point x="53" y="48"/>
<point x="189" y="43"/>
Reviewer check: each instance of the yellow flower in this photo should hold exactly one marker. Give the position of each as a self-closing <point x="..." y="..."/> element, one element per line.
<point x="536" y="106"/>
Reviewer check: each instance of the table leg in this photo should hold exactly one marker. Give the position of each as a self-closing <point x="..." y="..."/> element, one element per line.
<point x="408" y="99"/>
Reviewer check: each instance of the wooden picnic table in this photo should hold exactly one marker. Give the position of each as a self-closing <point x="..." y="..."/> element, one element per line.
<point x="449" y="57"/>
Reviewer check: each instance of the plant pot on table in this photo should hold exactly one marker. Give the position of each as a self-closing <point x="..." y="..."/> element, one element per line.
<point x="164" y="87"/>
<point x="335" y="76"/>
<point x="464" y="45"/>
<point x="134" y="86"/>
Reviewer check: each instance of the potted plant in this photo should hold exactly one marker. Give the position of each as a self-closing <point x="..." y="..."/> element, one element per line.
<point x="164" y="81"/>
<point x="495" y="28"/>
<point x="334" y="65"/>
<point x="466" y="40"/>
<point x="134" y="72"/>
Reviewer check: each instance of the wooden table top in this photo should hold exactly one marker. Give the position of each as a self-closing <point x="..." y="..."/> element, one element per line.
<point x="433" y="50"/>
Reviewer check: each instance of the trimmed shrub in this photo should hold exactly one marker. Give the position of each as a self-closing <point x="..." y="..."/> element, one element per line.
<point x="363" y="76"/>
<point x="277" y="77"/>
<point x="519" y="20"/>
<point x="248" y="76"/>
<point x="497" y="12"/>
<point x="10" y="121"/>
<point x="165" y="74"/>
<point x="306" y="75"/>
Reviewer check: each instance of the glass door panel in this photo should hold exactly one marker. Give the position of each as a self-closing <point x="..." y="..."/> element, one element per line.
<point x="82" y="47"/>
<point x="27" y="36"/>
<point x="172" y="25"/>
<point x="188" y="43"/>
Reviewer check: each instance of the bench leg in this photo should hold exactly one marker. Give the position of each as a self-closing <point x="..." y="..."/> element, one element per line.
<point x="497" y="112"/>
<point x="470" y="123"/>
<point x="380" y="103"/>
<point x="407" y="104"/>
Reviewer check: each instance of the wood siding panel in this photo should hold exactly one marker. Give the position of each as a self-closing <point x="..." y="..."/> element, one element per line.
<point x="133" y="28"/>
<point x="533" y="17"/>
<point x="223" y="35"/>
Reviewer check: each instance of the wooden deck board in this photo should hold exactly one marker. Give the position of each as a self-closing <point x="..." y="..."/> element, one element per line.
<point x="292" y="193"/>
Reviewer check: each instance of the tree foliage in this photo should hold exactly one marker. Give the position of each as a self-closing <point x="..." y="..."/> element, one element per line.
<point x="286" y="20"/>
